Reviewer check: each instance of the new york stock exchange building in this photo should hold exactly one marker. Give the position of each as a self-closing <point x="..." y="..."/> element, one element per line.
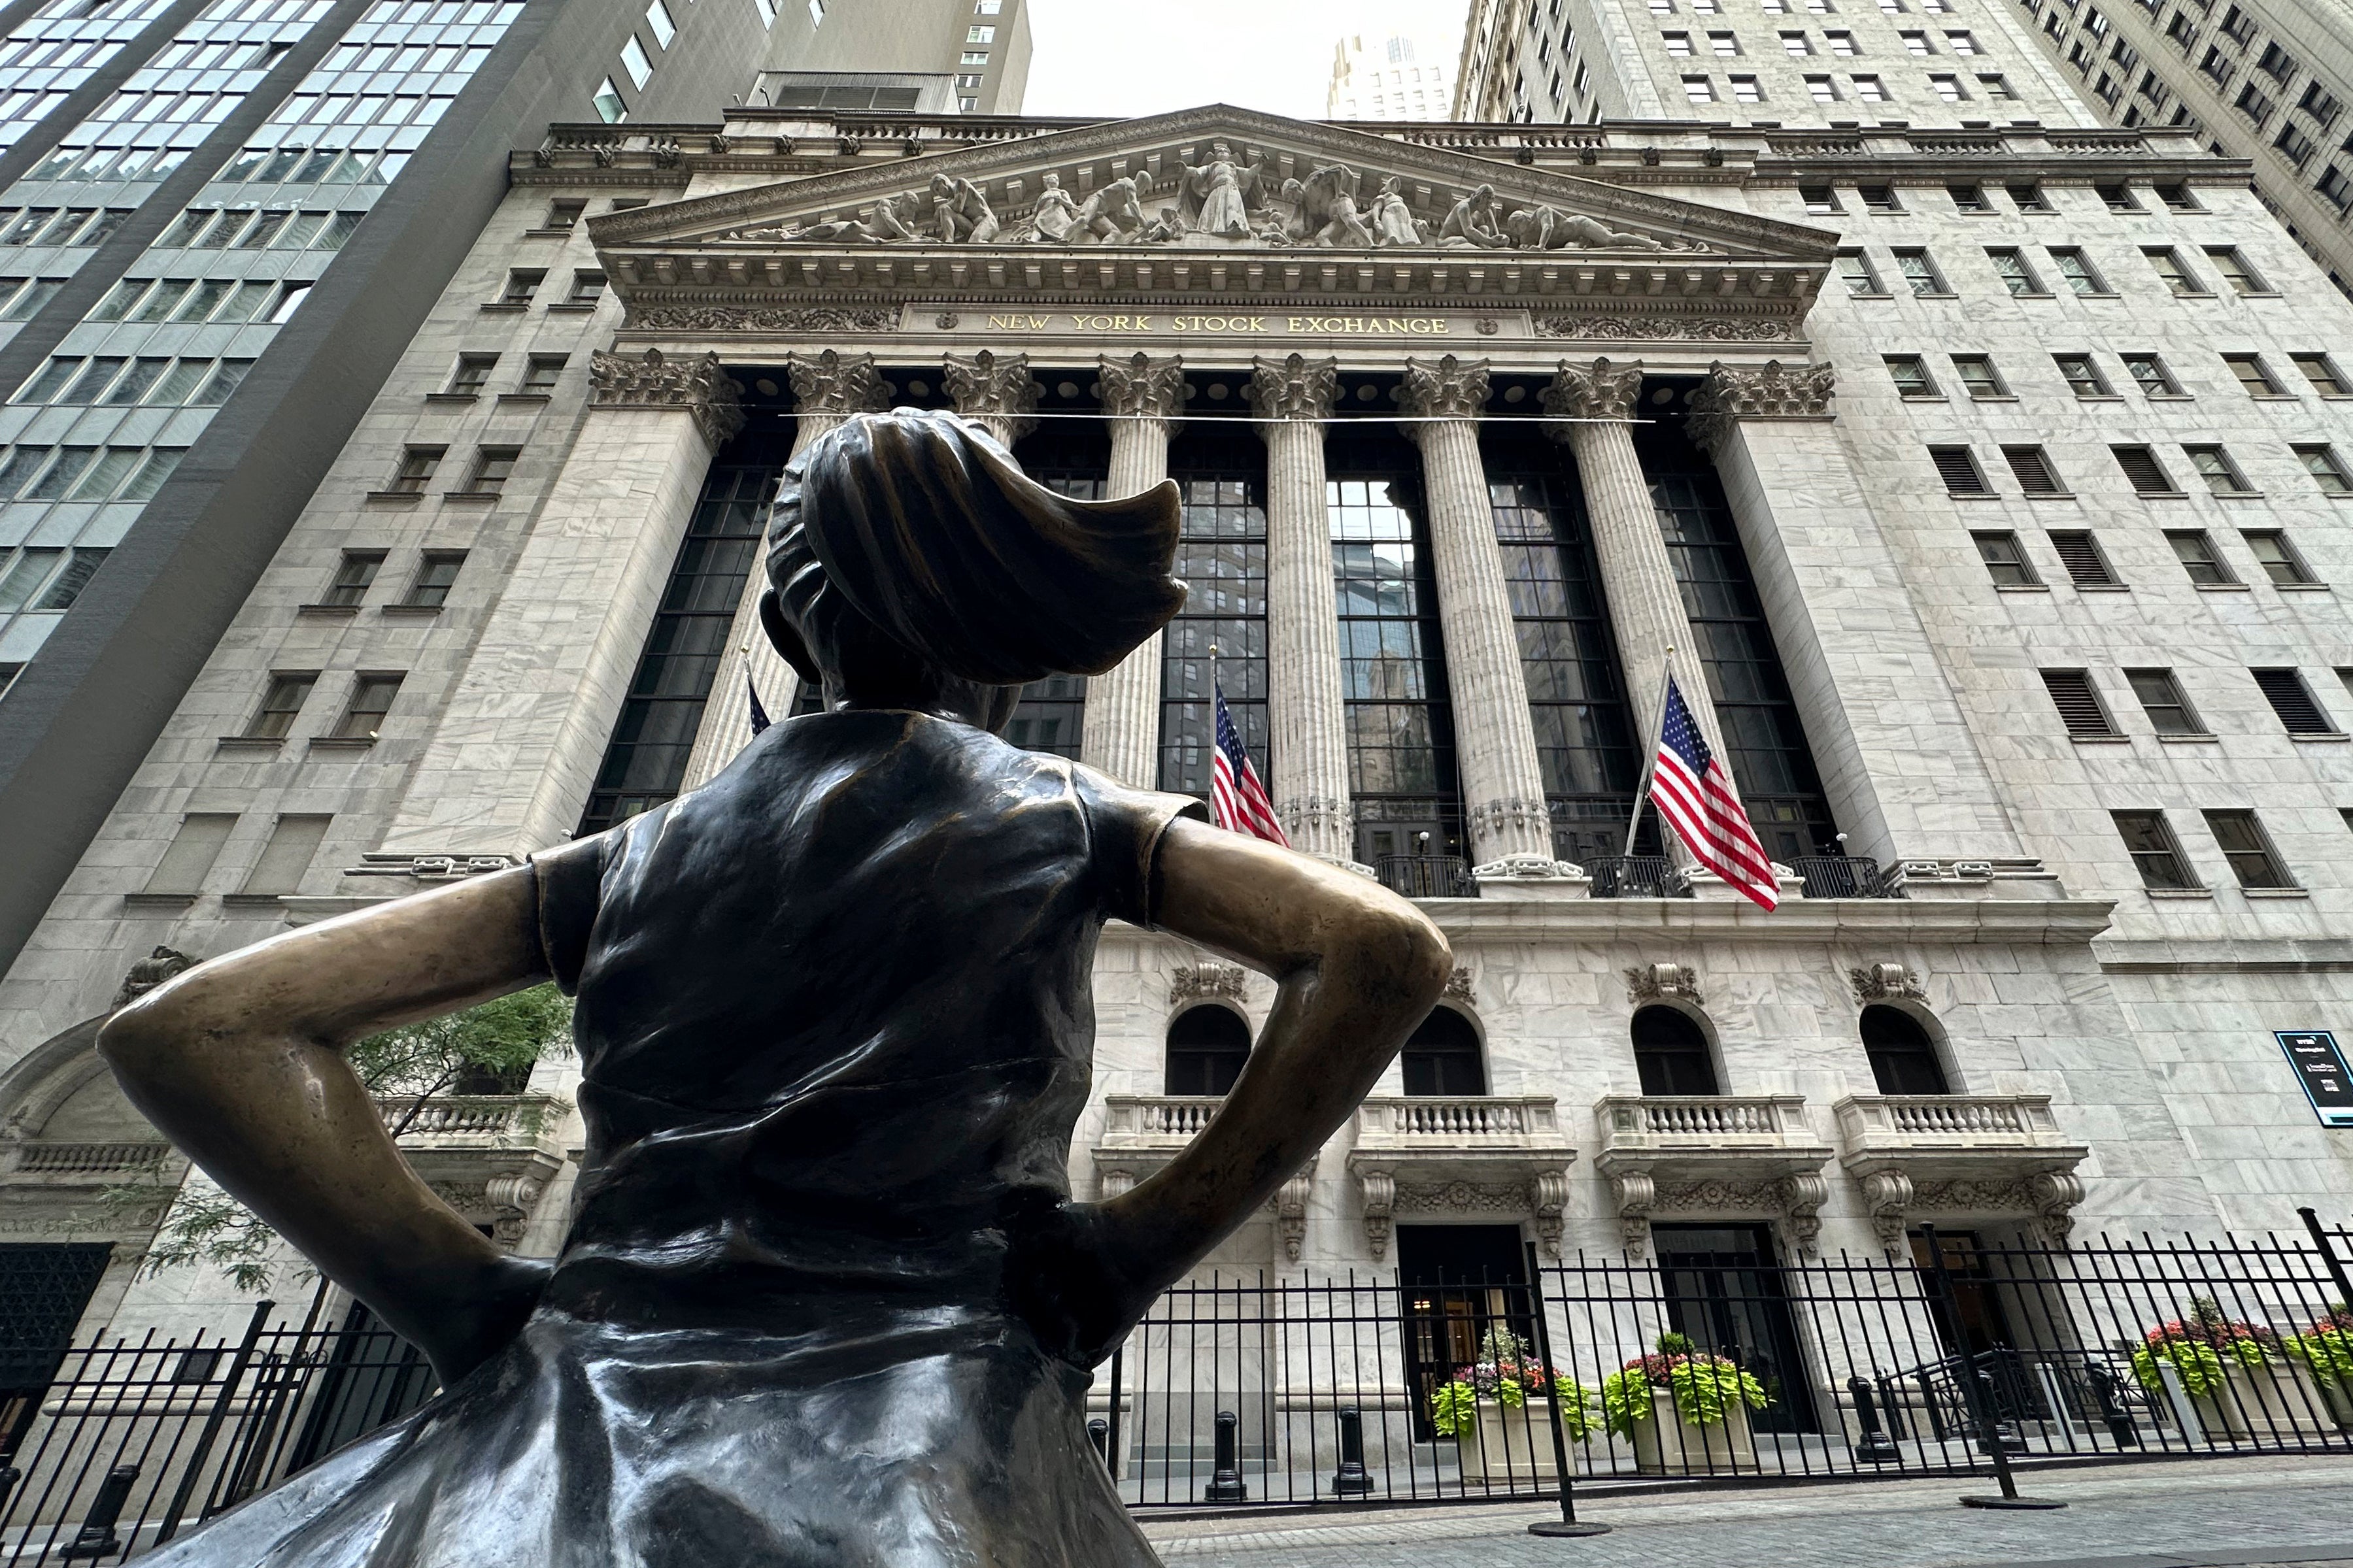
<point x="1995" y="565"/>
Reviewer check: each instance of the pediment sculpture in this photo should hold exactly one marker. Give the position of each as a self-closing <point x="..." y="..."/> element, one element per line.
<point x="1221" y="203"/>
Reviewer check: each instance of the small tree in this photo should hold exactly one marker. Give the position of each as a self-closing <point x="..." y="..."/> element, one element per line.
<point x="490" y="1048"/>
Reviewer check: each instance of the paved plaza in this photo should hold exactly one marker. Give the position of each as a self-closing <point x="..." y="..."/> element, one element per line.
<point x="2184" y="1515"/>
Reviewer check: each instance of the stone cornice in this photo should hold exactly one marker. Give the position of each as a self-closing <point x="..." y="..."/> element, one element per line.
<point x="1859" y="922"/>
<point x="649" y="381"/>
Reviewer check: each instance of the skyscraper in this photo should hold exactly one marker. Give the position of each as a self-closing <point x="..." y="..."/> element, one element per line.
<point x="1390" y="77"/>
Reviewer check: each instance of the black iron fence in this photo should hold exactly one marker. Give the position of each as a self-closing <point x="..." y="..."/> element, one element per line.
<point x="1695" y="1364"/>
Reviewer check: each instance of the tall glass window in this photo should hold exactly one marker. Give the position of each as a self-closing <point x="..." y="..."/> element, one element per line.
<point x="1400" y="726"/>
<point x="1576" y="691"/>
<point x="1221" y="556"/>
<point x="1072" y="457"/>
<point x="1771" y="763"/>
<point x="646" y="763"/>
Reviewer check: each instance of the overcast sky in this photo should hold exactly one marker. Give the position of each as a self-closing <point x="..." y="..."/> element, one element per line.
<point x="1119" y="57"/>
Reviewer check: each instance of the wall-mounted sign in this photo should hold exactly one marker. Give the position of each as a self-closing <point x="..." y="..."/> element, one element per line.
<point x="2320" y="1067"/>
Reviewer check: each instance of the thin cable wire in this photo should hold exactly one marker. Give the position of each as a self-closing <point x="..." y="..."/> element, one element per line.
<point x="1335" y="417"/>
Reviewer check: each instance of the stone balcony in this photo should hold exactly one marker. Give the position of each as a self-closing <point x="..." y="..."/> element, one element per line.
<point x="1481" y="1156"/>
<point x="1142" y="1132"/>
<point x="1711" y="1156"/>
<point x="489" y="1156"/>
<point x="1960" y="1155"/>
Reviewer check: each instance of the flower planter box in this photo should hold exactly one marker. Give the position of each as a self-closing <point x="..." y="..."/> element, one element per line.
<point x="1509" y="1446"/>
<point x="1668" y="1444"/>
<point x="2275" y="1398"/>
<point x="2337" y="1398"/>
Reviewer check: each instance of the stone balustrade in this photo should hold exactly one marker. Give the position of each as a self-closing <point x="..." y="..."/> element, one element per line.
<point x="496" y="1119"/>
<point x="1960" y="1157"/>
<point x="1647" y="1121"/>
<point x="1459" y="1156"/>
<point x="82" y="1160"/>
<point x="1875" y="1122"/>
<point x="1416" y="1120"/>
<point x="1711" y="1157"/>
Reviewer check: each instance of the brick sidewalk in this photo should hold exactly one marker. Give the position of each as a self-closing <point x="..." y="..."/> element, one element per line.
<point x="2184" y="1515"/>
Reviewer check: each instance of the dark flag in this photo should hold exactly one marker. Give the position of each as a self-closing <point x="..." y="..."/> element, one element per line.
<point x="759" y="714"/>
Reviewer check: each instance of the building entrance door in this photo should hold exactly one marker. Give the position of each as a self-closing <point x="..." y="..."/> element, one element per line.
<point x="1723" y="1290"/>
<point x="1458" y="1283"/>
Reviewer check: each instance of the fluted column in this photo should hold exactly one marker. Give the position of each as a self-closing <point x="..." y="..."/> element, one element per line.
<point x="828" y="388"/>
<point x="1495" y="735"/>
<point x="994" y="391"/>
<point x="1307" y="717"/>
<point x="1646" y="608"/>
<point x="1121" y="732"/>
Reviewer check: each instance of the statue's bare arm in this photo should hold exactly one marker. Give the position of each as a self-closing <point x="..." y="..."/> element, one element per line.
<point x="1357" y="968"/>
<point x="240" y="1063"/>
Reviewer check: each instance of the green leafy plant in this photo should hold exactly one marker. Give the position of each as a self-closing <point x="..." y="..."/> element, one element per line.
<point x="2200" y="1345"/>
<point x="2328" y="1347"/>
<point x="487" y="1049"/>
<point x="1508" y="1373"/>
<point x="1706" y="1388"/>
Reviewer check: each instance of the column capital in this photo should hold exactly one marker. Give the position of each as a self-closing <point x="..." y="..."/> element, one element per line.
<point x="1143" y="386"/>
<point x="1602" y="390"/>
<point x="1294" y="388"/>
<point x="649" y="381"/>
<point x="833" y="383"/>
<point x="993" y="385"/>
<point x="1777" y="390"/>
<point x="1451" y="389"/>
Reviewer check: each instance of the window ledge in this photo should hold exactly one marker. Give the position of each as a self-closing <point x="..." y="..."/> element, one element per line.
<point x="250" y="742"/>
<point x="2190" y="740"/>
<point x="2194" y="294"/>
<point x="2302" y="588"/>
<point x="2022" y="587"/>
<point x="326" y="609"/>
<point x="2336" y="396"/>
<point x="422" y="612"/>
<point x="2035" y="294"/>
<point x="499" y="307"/>
<point x="531" y="397"/>
<point x="2332" y="739"/>
<point x="485" y="496"/>
<point x="2101" y="740"/>
<point x="1935" y="294"/>
<point x="1971" y="495"/>
<point x="2103" y="587"/>
<point x="2049" y="495"/>
<point x="2159" y="495"/>
<point x="549" y="233"/>
<point x="159" y="900"/>
<point x="2276" y="892"/>
<point x="2236" y="495"/>
<point x="2170" y="396"/>
<point x="342" y="742"/>
<point x="1993" y="397"/>
<point x="406" y="497"/>
<point x="572" y="307"/>
<point x="2178" y="892"/>
<point x="1924" y="397"/>
<point x="2097" y="397"/>
<point x="453" y="398"/>
<point x="2274" y="397"/>
<point x="2221" y="587"/>
<point x="2098" y="294"/>
<point x="2259" y="294"/>
<point x="251" y="900"/>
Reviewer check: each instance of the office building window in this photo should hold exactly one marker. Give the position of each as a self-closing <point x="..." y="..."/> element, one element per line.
<point x="2278" y="558"/>
<point x="354" y="577"/>
<point x="436" y="571"/>
<point x="2300" y="711"/>
<point x="2150" y="371"/>
<point x="1910" y="373"/>
<point x="2194" y="548"/>
<point x="2147" y="472"/>
<point x="2173" y="272"/>
<point x="2005" y="560"/>
<point x="2321" y="373"/>
<point x="587" y="289"/>
<point x="417" y="468"/>
<point x="634" y="61"/>
<point x="2255" y="375"/>
<point x="2213" y="465"/>
<point x="190" y="855"/>
<point x="608" y="101"/>
<point x="2028" y="197"/>
<point x="1855" y="271"/>
<point x="540" y="374"/>
<point x="293" y="843"/>
<point x="2156" y="853"/>
<point x="1870" y="90"/>
<point x="658" y="20"/>
<point x="2087" y="564"/>
<point x="472" y="373"/>
<point x="493" y="466"/>
<point x="1977" y="375"/>
<point x="2162" y="698"/>
<point x="1958" y="468"/>
<point x="522" y="284"/>
<point x="2235" y="270"/>
<point x="1919" y="271"/>
<point x="282" y="699"/>
<point x="2076" y="270"/>
<point x="371" y="700"/>
<point x="2082" y="374"/>
<point x="2031" y="468"/>
<point x="2327" y="470"/>
<point x="2011" y="266"/>
<point x="2248" y="849"/>
<point x="2079" y="705"/>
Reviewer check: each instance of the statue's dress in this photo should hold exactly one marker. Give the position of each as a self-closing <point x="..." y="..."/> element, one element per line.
<point x="835" y="1029"/>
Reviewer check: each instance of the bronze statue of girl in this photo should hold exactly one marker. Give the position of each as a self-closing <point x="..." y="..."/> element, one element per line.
<point x="827" y="1301"/>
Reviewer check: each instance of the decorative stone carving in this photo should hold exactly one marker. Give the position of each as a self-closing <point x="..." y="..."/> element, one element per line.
<point x="1657" y="981"/>
<point x="668" y="154"/>
<point x="834" y="383"/>
<point x="989" y="385"/>
<point x="1205" y="981"/>
<point x="960" y="213"/>
<point x="1325" y="209"/>
<point x="2050" y="1196"/>
<point x="1796" y="1198"/>
<point x="2054" y="1195"/>
<point x="1113" y="215"/>
<point x="1887" y="981"/>
<point x="1392" y="217"/>
<point x="431" y="867"/>
<point x="1451" y="389"/>
<point x="744" y="318"/>
<point x="1548" y="228"/>
<point x="151" y="971"/>
<point x="1462" y="1198"/>
<point x="698" y="386"/>
<point x="1220" y="194"/>
<point x="1295" y="388"/>
<point x="1473" y="223"/>
<point x="1290" y="1210"/>
<point x="1528" y="868"/>
<point x="1601" y="390"/>
<point x="1056" y="213"/>
<point x="1776" y="392"/>
<point x="1309" y="819"/>
<point x="1379" y="1188"/>
<point x="1704" y="329"/>
<point x="1549" y="1196"/>
<point x="1142" y="386"/>
<point x="1637" y="1195"/>
<point x="1458" y="987"/>
<point x="1886" y="1196"/>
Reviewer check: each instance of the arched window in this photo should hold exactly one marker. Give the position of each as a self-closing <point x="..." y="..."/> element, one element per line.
<point x="1206" y="1048"/>
<point x="1671" y="1053"/>
<point x="1442" y="1057"/>
<point x="1903" y="1057"/>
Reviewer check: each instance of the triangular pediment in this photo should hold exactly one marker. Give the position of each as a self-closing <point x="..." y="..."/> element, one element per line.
<point x="1281" y="188"/>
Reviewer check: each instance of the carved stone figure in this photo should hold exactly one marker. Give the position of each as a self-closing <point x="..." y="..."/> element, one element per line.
<point x="1168" y="226"/>
<point x="1473" y="222"/>
<point x="1392" y="220"/>
<point x="825" y="1297"/>
<point x="960" y="212"/>
<point x="1056" y="213"/>
<point x="1221" y="194"/>
<point x="1113" y="213"/>
<point x="1328" y="211"/>
<point x="151" y="971"/>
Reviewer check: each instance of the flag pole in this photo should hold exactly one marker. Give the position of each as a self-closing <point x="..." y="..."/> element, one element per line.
<point x="1650" y="757"/>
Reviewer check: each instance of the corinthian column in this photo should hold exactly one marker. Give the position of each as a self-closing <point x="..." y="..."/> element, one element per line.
<point x="1646" y="608"/>
<point x="995" y="392"/>
<point x="1307" y="717"/>
<point x="513" y="760"/>
<point x="1495" y="735"/>
<point x="1120" y="734"/>
<point x="828" y="388"/>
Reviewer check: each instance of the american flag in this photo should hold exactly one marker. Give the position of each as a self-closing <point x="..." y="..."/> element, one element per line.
<point x="759" y="714"/>
<point x="1235" y="797"/>
<point x="1693" y="794"/>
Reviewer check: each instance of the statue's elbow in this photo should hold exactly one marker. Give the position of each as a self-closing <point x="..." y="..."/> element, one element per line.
<point x="1406" y="954"/>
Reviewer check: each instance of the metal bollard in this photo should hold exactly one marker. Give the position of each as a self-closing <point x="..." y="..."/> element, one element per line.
<point x="1227" y="1485"/>
<point x="2112" y="1409"/>
<point x="2007" y="1433"/>
<point x="1874" y="1448"/>
<point x="1351" y="1481"/>
<point x="1098" y="1434"/>
<point x="98" y="1538"/>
